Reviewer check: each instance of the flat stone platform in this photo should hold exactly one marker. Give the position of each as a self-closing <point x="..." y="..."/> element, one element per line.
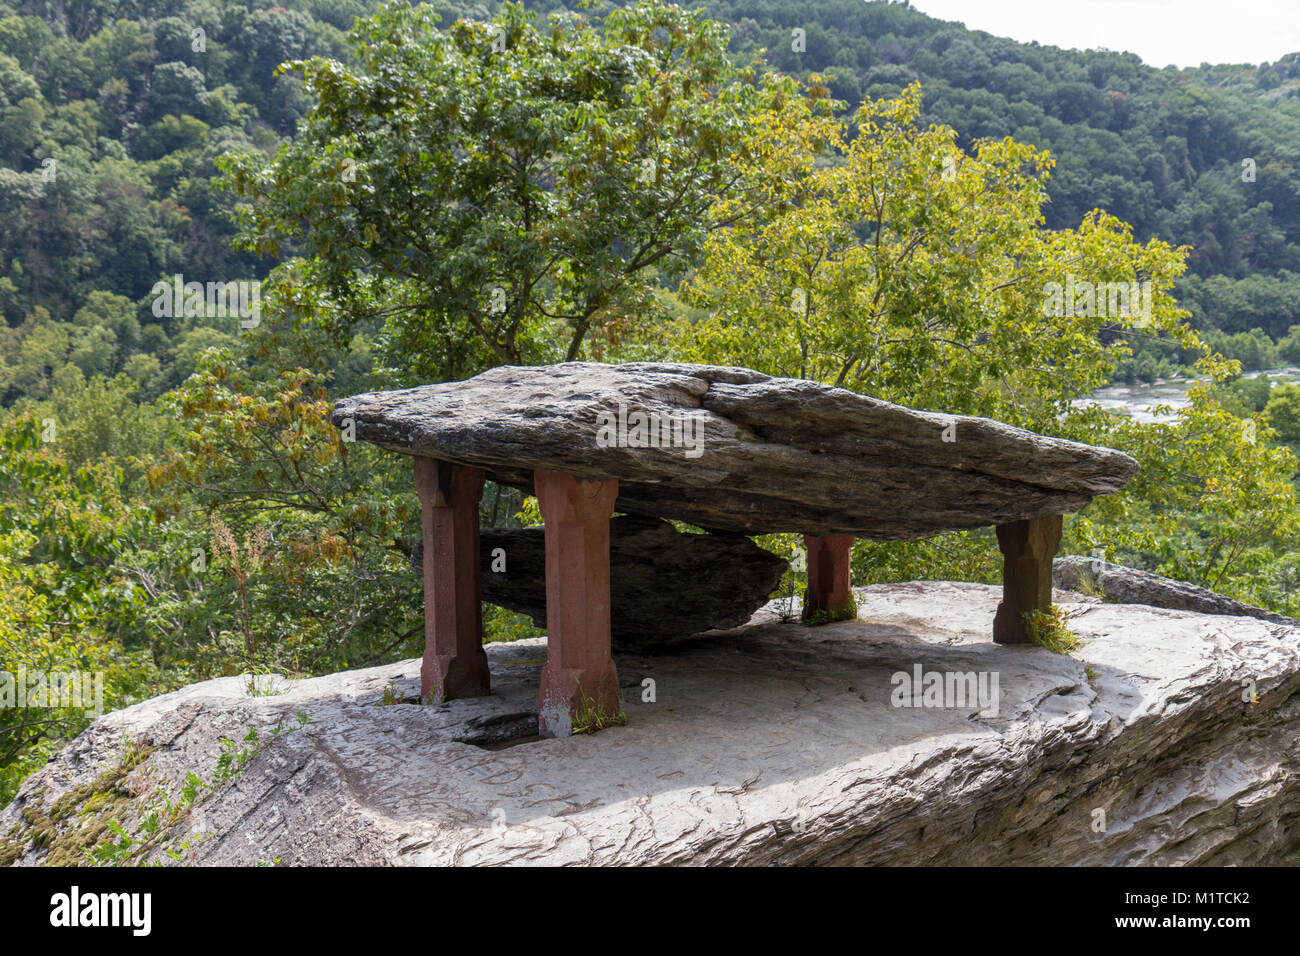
<point x="769" y="744"/>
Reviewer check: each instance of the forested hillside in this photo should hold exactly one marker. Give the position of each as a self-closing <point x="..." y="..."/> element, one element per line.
<point x="112" y="116"/>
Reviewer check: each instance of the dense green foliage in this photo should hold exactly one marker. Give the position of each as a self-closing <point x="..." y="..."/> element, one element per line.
<point x="524" y="190"/>
<point x="1161" y="149"/>
<point x="112" y="117"/>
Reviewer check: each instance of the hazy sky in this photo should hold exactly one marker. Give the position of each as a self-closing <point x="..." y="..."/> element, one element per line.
<point x="1181" y="32"/>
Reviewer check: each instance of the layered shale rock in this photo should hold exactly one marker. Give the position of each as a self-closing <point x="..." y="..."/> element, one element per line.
<point x="663" y="584"/>
<point x="1169" y="738"/>
<point x="733" y="449"/>
<point x="1124" y="585"/>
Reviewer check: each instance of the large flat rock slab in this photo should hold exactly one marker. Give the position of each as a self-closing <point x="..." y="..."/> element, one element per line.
<point x="751" y="453"/>
<point x="768" y="744"/>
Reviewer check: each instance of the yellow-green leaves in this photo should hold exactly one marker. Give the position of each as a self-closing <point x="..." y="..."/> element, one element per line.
<point x="892" y="263"/>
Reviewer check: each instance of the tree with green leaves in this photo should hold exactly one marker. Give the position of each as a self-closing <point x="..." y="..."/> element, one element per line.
<point x="1214" y="503"/>
<point x="64" y="602"/>
<point x="1282" y="412"/>
<point x="499" y="193"/>
<point x="894" y="263"/>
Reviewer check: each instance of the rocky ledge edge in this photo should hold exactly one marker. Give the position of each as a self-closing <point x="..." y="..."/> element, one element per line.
<point x="1168" y="738"/>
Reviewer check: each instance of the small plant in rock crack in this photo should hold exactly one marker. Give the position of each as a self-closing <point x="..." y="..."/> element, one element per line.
<point x="165" y="812"/>
<point x="1047" y="629"/>
<point x="234" y="759"/>
<point x="591" y="717"/>
<point x="786" y="597"/>
<point x="262" y="685"/>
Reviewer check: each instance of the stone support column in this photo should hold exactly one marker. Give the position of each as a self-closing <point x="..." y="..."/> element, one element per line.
<point x="579" y="682"/>
<point x="1027" y="550"/>
<point x="829" y="596"/>
<point x="454" y="662"/>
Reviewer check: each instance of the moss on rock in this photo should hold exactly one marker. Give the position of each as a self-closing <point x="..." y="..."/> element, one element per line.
<point x="79" y="820"/>
<point x="846" y="610"/>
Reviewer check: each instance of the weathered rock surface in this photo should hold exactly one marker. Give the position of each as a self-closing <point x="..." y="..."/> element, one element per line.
<point x="775" y="454"/>
<point x="662" y="584"/>
<point x="1125" y="585"/>
<point x="767" y="744"/>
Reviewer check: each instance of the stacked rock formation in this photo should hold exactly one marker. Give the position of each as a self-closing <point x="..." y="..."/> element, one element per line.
<point x="728" y="450"/>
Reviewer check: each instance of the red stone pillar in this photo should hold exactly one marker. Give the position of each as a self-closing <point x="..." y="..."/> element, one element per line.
<point x="454" y="662"/>
<point x="579" y="676"/>
<point x="829" y="595"/>
<point x="1027" y="550"/>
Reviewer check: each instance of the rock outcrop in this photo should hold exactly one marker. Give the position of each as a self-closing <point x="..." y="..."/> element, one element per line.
<point x="663" y="584"/>
<point x="1123" y="585"/>
<point x="1169" y="738"/>
<point x="732" y="449"/>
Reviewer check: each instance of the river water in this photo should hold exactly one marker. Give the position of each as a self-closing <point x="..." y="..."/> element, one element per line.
<point x="1136" y="401"/>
